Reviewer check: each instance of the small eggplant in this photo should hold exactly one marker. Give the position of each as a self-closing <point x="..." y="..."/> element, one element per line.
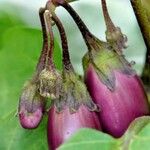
<point x="31" y="107"/>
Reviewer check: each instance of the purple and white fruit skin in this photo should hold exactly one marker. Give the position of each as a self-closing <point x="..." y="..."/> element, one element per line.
<point x="31" y="107"/>
<point x="121" y="106"/>
<point x="62" y="125"/>
<point x="30" y="120"/>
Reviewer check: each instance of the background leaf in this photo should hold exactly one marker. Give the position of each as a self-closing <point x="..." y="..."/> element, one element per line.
<point x="137" y="136"/>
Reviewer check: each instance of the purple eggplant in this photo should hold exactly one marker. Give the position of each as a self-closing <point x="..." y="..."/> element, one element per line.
<point x="121" y="106"/>
<point x="74" y="109"/>
<point x="31" y="107"/>
<point x="111" y="81"/>
<point x="64" y="124"/>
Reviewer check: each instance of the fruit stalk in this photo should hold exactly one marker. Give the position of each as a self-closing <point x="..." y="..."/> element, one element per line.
<point x="66" y="58"/>
<point x="109" y="24"/>
<point x="113" y="34"/>
<point x="42" y="59"/>
<point x="49" y="78"/>
<point x="49" y="62"/>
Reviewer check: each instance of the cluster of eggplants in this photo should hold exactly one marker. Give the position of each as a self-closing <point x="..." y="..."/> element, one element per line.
<point x="110" y="79"/>
<point x="72" y="106"/>
<point x="110" y="83"/>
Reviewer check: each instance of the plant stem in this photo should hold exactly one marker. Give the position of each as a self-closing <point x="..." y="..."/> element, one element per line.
<point x="66" y="58"/>
<point x="42" y="59"/>
<point x="49" y="61"/>
<point x="114" y="35"/>
<point x="81" y="25"/>
<point x="109" y="24"/>
<point x="144" y="24"/>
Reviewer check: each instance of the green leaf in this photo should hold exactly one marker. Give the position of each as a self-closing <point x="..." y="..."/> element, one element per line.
<point x="88" y="139"/>
<point x="137" y="136"/>
<point x="14" y="137"/>
<point x="18" y="59"/>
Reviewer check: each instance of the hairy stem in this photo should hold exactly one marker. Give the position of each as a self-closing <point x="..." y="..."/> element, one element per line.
<point x="49" y="61"/>
<point x="81" y="25"/>
<point x="66" y="58"/>
<point x="42" y="59"/>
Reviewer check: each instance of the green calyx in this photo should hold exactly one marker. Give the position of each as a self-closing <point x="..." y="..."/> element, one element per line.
<point x="116" y="39"/>
<point x="30" y="98"/>
<point x="74" y="94"/>
<point x="105" y="61"/>
<point x="50" y="83"/>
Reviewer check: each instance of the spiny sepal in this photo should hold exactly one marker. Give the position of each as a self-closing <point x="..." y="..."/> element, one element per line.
<point x="117" y="39"/>
<point x="50" y="83"/>
<point x="105" y="63"/>
<point x="74" y="94"/>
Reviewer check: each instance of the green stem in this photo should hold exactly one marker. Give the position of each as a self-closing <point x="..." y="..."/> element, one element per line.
<point x="144" y="24"/>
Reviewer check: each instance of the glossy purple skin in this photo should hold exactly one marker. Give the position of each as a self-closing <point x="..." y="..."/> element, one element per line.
<point x="62" y="125"/>
<point x="30" y="120"/>
<point x="120" y="107"/>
